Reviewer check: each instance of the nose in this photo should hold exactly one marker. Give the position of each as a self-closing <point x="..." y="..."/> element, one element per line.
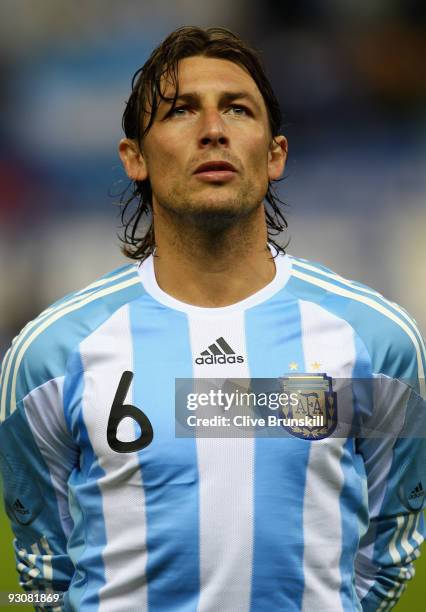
<point x="213" y="130"/>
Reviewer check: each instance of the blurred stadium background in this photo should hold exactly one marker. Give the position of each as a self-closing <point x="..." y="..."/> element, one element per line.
<point x="351" y="79"/>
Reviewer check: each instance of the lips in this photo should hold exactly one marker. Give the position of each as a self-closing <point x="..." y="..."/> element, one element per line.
<point x="215" y="166"/>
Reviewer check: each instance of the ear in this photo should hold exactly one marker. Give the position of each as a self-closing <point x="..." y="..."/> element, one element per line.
<point x="132" y="159"/>
<point x="277" y="157"/>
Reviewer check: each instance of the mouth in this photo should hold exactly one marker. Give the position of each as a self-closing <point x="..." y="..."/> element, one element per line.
<point x="216" y="171"/>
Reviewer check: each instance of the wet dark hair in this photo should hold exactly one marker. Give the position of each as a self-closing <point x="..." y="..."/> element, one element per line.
<point x="147" y="93"/>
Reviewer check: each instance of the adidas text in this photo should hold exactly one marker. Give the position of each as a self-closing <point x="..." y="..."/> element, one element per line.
<point x="213" y="359"/>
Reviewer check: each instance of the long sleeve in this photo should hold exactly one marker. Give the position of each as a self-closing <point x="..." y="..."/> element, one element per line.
<point x="41" y="453"/>
<point x="37" y="456"/>
<point x="396" y="479"/>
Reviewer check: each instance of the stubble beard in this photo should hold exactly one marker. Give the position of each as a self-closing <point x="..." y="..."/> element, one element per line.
<point x="211" y="221"/>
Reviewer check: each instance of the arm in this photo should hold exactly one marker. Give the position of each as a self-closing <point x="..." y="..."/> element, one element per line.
<point x="37" y="456"/>
<point x="396" y="480"/>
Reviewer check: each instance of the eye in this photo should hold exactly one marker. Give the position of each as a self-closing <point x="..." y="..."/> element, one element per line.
<point x="178" y="111"/>
<point x="239" y="110"/>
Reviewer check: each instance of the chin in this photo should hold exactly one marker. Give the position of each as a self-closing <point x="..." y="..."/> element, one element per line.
<point x="215" y="210"/>
<point x="215" y="216"/>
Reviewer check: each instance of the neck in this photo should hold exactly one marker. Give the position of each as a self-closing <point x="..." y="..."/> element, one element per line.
<point x="212" y="268"/>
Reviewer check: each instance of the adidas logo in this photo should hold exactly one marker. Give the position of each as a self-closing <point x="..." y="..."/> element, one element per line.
<point x="19" y="507"/>
<point x="219" y="352"/>
<point x="418" y="491"/>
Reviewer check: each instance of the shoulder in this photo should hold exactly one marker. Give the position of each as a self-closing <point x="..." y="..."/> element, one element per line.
<point x="41" y="350"/>
<point x="390" y="335"/>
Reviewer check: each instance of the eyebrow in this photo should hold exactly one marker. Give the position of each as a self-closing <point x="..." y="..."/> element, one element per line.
<point x="225" y="97"/>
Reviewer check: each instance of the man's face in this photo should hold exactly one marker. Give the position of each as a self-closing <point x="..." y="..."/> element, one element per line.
<point x="214" y="153"/>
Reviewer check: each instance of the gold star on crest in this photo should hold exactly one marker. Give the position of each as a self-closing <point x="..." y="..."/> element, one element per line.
<point x="293" y="365"/>
<point x="315" y="365"/>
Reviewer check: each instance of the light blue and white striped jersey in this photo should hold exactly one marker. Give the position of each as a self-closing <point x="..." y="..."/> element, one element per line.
<point x="208" y="524"/>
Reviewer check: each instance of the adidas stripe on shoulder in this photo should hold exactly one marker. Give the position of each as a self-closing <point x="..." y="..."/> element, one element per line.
<point x="40" y="351"/>
<point x="327" y="281"/>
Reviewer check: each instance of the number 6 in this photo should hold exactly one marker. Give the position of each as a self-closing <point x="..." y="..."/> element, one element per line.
<point x="119" y="411"/>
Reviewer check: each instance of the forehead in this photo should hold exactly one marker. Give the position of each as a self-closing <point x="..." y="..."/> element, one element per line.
<point x="208" y="74"/>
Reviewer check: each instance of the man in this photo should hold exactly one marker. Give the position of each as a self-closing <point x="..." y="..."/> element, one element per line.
<point x="109" y="503"/>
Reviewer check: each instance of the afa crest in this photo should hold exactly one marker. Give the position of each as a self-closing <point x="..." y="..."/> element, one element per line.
<point x="312" y="412"/>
